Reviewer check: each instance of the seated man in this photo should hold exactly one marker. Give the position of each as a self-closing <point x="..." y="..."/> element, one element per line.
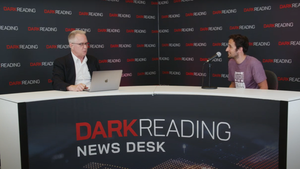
<point x="73" y="72"/>
<point x="244" y="71"/>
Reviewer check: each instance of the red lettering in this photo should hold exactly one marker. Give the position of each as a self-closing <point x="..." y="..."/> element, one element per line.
<point x="165" y="45"/>
<point x="283" y="43"/>
<point x="12" y="47"/>
<point x="203" y="59"/>
<point x="177" y="58"/>
<point x="114" y="46"/>
<point x="269" y="25"/>
<point x="217" y="12"/>
<point x="89" y="131"/>
<point x="36" y="64"/>
<point x="139" y="16"/>
<point x="164" y="16"/>
<point x="51" y="46"/>
<point x="165" y="72"/>
<point x="154" y="3"/>
<point x="102" y="61"/>
<point x="129" y="1"/>
<point x="250" y="43"/>
<point x="15" y="83"/>
<point x="154" y="31"/>
<point x="268" y="61"/>
<point x="189" y="44"/>
<point x="141" y="73"/>
<point x="217" y="44"/>
<point x="175" y="1"/>
<point x="189" y="14"/>
<point x="129" y="31"/>
<point x="69" y="29"/>
<point x="99" y="132"/>
<point x="216" y="75"/>
<point x="84" y="13"/>
<point x="283" y="79"/>
<point x="234" y="27"/>
<point x="154" y="59"/>
<point x="9" y="8"/>
<point x="49" y="80"/>
<point x="177" y="30"/>
<point x="49" y="11"/>
<point x="113" y="15"/>
<point x="33" y="29"/>
<point x="248" y="9"/>
<point x="102" y="30"/>
<point x="189" y="73"/>
<point x="140" y="45"/>
<point x="127" y="128"/>
<point x="130" y="60"/>
<point x="285" y="6"/>
<point x="204" y="29"/>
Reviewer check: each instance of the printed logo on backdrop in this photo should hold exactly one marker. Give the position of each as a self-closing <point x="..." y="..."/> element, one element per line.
<point x="19" y="9"/>
<point x="204" y="13"/>
<point x="122" y="46"/>
<point x="184" y="30"/>
<point x="214" y="60"/>
<point x="126" y="74"/>
<point x="58" y="46"/>
<point x="160" y="3"/>
<point x="8" y="28"/>
<point x="225" y="44"/>
<point x="225" y="76"/>
<point x="199" y="74"/>
<point x="172" y="45"/>
<point x="96" y="46"/>
<point x="96" y="14"/>
<point x="112" y="0"/>
<point x="110" y="61"/>
<point x="260" y="43"/>
<point x="278" y="61"/>
<point x="225" y="11"/>
<point x="141" y="2"/>
<point x="170" y="16"/>
<point x="119" y="15"/>
<point x="184" y="59"/>
<point x="293" y="5"/>
<point x="149" y="73"/>
<point x="10" y="65"/>
<point x="44" y="64"/>
<point x="242" y="27"/>
<point x="25" y="82"/>
<point x="57" y="12"/>
<point x="137" y="60"/>
<point x="177" y="1"/>
<point x="161" y="58"/>
<point x="109" y="30"/>
<point x="43" y="29"/>
<point x="82" y="29"/>
<point x="289" y="79"/>
<point x="215" y="28"/>
<point x="146" y="45"/>
<point x="161" y="31"/>
<point x="289" y="43"/>
<point x="145" y="16"/>
<point x="136" y="31"/>
<point x="197" y="44"/>
<point x="279" y="25"/>
<point x="174" y="73"/>
<point x="258" y="9"/>
<point x="23" y="46"/>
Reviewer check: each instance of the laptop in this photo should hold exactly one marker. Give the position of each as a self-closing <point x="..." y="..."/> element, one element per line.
<point x="105" y="80"/>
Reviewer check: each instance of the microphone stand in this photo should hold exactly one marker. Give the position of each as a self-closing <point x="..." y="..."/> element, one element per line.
<point x="209" y="72"/>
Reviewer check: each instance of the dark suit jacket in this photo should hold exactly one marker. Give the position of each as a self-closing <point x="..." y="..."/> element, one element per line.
<point x="64" y="71"/>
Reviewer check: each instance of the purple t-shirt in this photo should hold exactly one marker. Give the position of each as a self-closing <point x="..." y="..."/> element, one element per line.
<point x="247" y="74"/>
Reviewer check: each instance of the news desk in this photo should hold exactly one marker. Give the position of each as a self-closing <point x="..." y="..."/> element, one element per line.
<point x="157" y="127"/>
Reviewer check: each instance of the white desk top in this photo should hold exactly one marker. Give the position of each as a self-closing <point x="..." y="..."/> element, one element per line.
<point x="276" y="95"/>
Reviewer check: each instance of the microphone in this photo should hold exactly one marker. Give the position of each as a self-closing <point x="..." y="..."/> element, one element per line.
<point x="218" y="54"/>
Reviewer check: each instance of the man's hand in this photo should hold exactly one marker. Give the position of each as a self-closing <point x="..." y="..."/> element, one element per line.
<point x="77" y="88"/>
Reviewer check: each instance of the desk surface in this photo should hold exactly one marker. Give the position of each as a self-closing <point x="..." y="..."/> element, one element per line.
<point x="277" y="95"/>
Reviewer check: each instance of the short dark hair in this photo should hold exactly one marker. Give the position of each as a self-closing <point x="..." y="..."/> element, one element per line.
<point x="240" y="41"/>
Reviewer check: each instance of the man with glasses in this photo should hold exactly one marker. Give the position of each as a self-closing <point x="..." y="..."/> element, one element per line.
<point x="73" y="72"/>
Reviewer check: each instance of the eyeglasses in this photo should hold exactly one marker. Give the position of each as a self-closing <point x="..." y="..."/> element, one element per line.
<point x="82" y="44"/>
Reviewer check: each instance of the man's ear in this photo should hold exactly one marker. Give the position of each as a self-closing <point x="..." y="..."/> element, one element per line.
<point x="240" y="49"/>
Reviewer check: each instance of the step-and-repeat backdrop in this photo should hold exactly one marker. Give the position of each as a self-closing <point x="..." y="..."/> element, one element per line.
<point x="192" y="31"/>
<point x="154" y="42"/>
<point x="122" y="35"/>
